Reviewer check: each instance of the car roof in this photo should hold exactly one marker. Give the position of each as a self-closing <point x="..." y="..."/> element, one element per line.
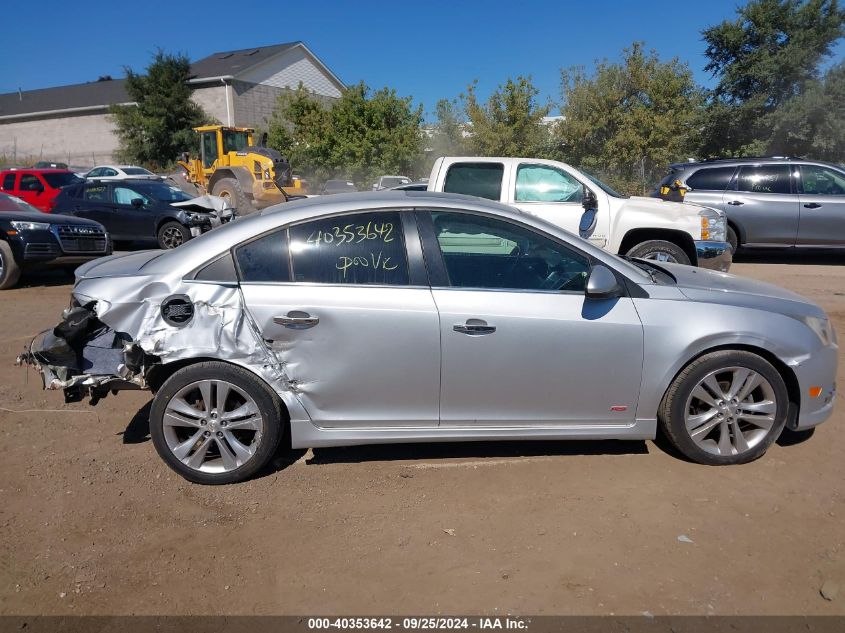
<point x="748" y="160"/>
<point x="38" y="170"/>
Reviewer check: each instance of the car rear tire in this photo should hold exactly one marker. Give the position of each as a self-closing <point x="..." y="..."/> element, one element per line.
<point x="172" y="235"/>
<point x="215" y="423"/>
<point x="726" y="407"/>
<point x="10" y="272"/>
<point x="660" y="251"/>
<point x="231" y="190"/>
<point x="732" y="239"/>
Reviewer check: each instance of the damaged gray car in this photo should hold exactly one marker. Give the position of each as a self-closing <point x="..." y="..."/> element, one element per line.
<point x="416" y="317"/>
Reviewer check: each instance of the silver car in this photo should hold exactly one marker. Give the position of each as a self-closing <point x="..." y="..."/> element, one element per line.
<point x="416" y="317"/>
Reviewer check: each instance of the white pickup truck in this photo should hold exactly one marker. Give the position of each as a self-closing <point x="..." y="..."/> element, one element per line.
<point x="648" y="228"/>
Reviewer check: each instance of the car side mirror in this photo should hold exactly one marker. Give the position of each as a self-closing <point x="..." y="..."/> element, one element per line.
<point x="588" y="198"/>
<point x="137" y="203"/>
<point x="602" y="283"/>
<point x="588" y="223"/>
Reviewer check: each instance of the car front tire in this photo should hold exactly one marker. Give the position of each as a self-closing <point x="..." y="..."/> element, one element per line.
<point x="172" y="235"/>
<point x="10" y="272"/>
<point x="660" y="251"/>
<point x="726" y="407"/>
<point x="215" y="423"/>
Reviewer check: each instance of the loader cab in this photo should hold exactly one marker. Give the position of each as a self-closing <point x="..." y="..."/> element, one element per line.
<point x="217" y="142"/>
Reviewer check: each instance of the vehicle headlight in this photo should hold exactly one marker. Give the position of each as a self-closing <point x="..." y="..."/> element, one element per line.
<point x="713" y="225"/>
<point x="29" y="226"/>
<point x="822" y="327"/>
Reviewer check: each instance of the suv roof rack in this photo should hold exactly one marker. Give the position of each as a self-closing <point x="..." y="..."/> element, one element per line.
<point x="749" y="158"/>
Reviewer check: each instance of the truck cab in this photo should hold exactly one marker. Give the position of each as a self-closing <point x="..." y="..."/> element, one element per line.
<point x="557" y="192"/>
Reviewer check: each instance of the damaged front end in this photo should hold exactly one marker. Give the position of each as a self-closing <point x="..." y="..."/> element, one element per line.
<point x="84" y="357"/>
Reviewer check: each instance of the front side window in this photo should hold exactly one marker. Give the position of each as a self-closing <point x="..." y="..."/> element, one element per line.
<point x="541" y="183"/>
<point x="264" y="259"/>
<point x="483" y="180"/>
<point x="822" y="181"/>
<point x="30" y="182"/>
<point x="9" y="182"/>
<point x="97" y="193"/>
<point x="764" y="179"/>
<point x="481" y="252"/>
<point x="363" y="248"/>
<point x="125" y="195"/>
<point x="711" y="178"/>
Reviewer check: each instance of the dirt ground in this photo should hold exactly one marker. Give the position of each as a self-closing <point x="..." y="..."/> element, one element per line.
<point x="92" y="522"/>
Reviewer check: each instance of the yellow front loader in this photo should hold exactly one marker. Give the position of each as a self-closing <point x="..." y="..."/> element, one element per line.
<point x="230" y="165"/>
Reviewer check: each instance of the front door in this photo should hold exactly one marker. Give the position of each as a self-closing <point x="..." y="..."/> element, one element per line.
<point x="33" y="191"/>
<point x="349" y="317"/>
<point x="129" y="218"/>
<point x="822" y="198"/>
<point x="521" y="344"/>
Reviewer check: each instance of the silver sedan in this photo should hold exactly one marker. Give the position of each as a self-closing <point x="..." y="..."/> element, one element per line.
<point x="415" y="317"/>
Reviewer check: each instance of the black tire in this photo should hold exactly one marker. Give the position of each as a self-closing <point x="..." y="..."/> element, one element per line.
<point x="673" y="407"/>
<point x="660" y="250"/>
<point x="268" y="405"/>
<point x="231" y="189"/>
<point x="10" y="272"/>
<point x="172" y="235"/>
<point x="732" y="239"/>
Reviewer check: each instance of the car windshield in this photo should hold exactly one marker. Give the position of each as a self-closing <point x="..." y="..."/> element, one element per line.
<point x="162" y="192"/>
<point x="11" y="203"/>
<point x="136" y="171"/>
<point x="61" y="179"/>
<point x="606" y="188"/>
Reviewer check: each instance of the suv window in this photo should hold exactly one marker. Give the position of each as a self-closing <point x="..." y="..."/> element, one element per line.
<point x="363" y="248"/>
<point x="9" y="182"/>
<point x="541" y="183"/>
<point x="823" y="181"/>
<point x="483" y="180"/>
<point x="764" y="179"/>
<point x="265" y="259"/>
<point x="125" y="195"/>
<point x="96" y="193"/>
<point x="481" y="252"/>
<point x="30" y="182"/>
<point x="57" y="180"/>
<point x="711" y="178"/>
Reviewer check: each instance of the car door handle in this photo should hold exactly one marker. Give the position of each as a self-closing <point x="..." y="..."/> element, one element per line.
<point x="297" y="320"/>
<point x="736" y="203"/>
<point x="812" y="205"/>
<point x="474" y="329"/>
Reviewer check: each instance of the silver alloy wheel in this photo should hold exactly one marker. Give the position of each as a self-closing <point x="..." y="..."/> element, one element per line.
<point x="661" y="257"/>
<point x="172" y="237"/>
<point x="2" y="265"/>
<point x="212" y="426"/>
<point x="730" y="411"/>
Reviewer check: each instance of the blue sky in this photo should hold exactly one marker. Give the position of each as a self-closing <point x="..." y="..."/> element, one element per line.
<point x="428" y="50"/>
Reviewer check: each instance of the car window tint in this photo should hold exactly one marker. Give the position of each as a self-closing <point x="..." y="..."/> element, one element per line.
<point x="96" y="193"/>
<point x="483" y="180"/>
<point x="822" y="181"/>
<point x="481" y="252"/>
<point x="125" y="195"/>
<point x="363" y="248"/>
<point x="541" y="183"/>
<point x="57" y="180"/>
<point x="109" y="172"/>
<point x="30" y="182"/>
<point x="9" y="182"/>
<point x="764" y="179"/>
<point x="95" y="173"/>
<point x="711" y="178"/>
<point x="264" y="259"/>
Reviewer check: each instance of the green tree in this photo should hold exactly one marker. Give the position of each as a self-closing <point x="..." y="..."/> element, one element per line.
<point x="770" y="54"/>
<point x="360" y="136"/>
<point x="627" y="120"/>
<point x="156" y="130"/>
<point x="446" y="136"/>
<point x="509" y="123"/>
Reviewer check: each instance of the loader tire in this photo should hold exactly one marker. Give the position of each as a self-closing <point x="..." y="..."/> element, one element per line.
<point x="231" y="189"/>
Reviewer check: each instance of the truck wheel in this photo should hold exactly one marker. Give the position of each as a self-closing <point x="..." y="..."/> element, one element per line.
<point x="732" y="239"/>
<point x="215" y="423"/>
<point x="172" y="234"/>
<point x="660" y="251"/>
<point x="231" y="190"/>
<point x="10" y="272"/>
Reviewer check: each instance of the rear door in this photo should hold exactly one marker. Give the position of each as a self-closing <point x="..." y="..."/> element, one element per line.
<point x="707" y="186"/>
<point x="763" y="202"/>
<point x="521" y="344"/>
<point x="822" y="211"/>
<point x="345" y="305"/>
<point x="95" y="204"/>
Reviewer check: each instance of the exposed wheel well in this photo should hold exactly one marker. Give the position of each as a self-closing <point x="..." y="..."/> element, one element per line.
<point x="638" y="236"/>
<point x="740" y="234"/>
<point x="789" y="378"/>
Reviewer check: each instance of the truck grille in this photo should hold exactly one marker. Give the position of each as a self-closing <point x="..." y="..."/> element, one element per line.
<point x="81" y="239"/>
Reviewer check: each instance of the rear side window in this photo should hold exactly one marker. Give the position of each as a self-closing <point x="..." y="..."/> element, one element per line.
<point x="483" y="180"/>
<point x="9" y="182"/>
<point x="364" y="248"/>
<point x="764" y="179"/>
<point x="30" y="182"/>
<point x="59" y="180"/>
<point x="711" y="178"/>
<point x="97" y="193"/>
<point x="265" y="259"/>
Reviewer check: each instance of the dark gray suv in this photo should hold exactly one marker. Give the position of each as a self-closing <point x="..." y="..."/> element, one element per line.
<point x="770" y="202"/>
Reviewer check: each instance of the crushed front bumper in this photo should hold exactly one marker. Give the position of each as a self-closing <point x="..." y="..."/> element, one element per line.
<point x="714" y="255"/>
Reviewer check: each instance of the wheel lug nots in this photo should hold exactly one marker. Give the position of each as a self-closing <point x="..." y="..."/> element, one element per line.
<point x="219" y="434"/>
<point x="206" y="433"/>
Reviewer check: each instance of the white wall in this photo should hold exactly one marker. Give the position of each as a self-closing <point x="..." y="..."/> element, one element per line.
<point x="76" y="140"/>
<point x="290" y="68"/>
